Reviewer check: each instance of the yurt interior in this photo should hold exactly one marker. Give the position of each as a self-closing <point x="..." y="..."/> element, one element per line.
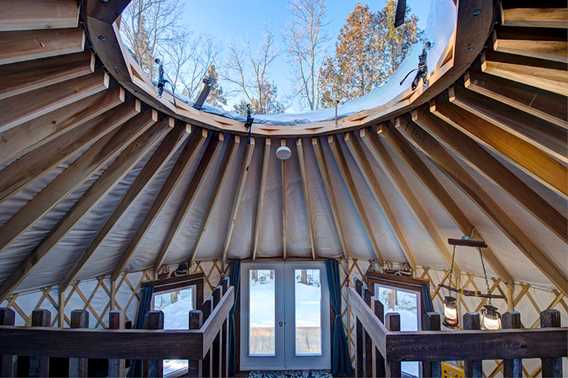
<point x="410" y="220"/>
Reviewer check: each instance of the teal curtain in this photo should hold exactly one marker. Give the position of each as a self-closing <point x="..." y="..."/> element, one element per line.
<point x="143" y="308"/>
<point x="235" y="281"/>
<point x="340" y="360"/>
<point x="427" y="305"/>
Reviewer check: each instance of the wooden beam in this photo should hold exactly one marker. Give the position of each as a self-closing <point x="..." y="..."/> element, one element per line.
<point x="382" y="157"/>
<point x="542" y="135"/>
<point x="166" y="149"/>
<point x="284" y="182"/>
<point x="547" y="50"/>
<point x="421" y="170"/>
<point x="536" y="17"/>
<point x="111" y="176"/>
<point x="22" y="108"/>
<point x="331" y="196"/>
<point x="431" y="148"/>
<point x="260" y="204"/>
<point x="548" y="106"/>
<point x="245" y="168"/>
<point x="20" y="46"/>
<point x="485" y="164"/>
<point x="183" y="161"/>
<point x="355" y="197"/>
<point x="522" y="154"/>
<point x="551" y="76"/>
<point x="214" y="147"/>
<point x="44" y="158"/>
<point x="39" y="14"/>
<point x="307" y="196"/>
<point x="380" y="197"/>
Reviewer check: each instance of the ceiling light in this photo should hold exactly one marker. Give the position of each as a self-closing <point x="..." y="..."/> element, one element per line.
<point x="283" y="153"/>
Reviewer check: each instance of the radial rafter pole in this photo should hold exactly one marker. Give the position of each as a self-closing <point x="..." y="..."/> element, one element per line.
<point x="381" y="155"/>
<point x="422" y="171"/>
<point x="160" y="156"/>
<point x="284" y="181"/>
<point x="431" y="148"/>
<point x="307" y="196"/>
<point x="260" y="204"/>
<point x="380" y="197"/>
<point x="354" y="194"/>
<point x="245" y="168"/>
<point x="331" y="195"/>
<point x="183" y="161"/>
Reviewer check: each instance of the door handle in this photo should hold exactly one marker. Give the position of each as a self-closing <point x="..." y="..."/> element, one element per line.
<point x="281" y="323"/>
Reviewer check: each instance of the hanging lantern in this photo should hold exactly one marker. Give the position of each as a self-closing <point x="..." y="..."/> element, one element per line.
<point x="490" y="318"/>
<point x="451" y="312"/>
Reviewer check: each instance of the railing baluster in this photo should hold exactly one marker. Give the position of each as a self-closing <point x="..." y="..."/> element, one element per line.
<point x="8" y="362"/>
<point x="472" y="368"/>
<point x="39" y="365"/>
<point x="216" y="348"/>
<point x="115" y="367"/>
<point x="551" y="367"/>
<point x="359" y="336"/>
<point x="368" y="342"/>
<point x="79" y="367"/>
<point x="195" y="367"/>
<point x="392" y="322"/>
<point x="512" y="368"/>
<point x="154" y="368"/>
<point x="432" y="368"/>
<point x="379" y="311"/>
<point x="225" y="341"/>
<point x="206" y="309"/>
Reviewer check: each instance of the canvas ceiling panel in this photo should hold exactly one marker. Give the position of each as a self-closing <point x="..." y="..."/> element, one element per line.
<point x="108" y="253"/>
<point x="148" y="248"/>
<point x="326" y="236"/>
<point x="213" y="239"/>
<point x="243" y="233"/>
<point x="184" y="241"/>
<point x="270" y="238"/>
<point x="510" y="256"/>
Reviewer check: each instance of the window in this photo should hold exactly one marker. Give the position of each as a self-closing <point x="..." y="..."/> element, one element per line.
<point x="308" y="311"/>
<point x="262" y="320"/>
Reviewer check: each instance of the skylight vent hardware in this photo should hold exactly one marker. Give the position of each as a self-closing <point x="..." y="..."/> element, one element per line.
<point x="208" y="84"/>
<point x="162" y="81"/>
<point x="400" y="13"/>
<point x="421" y="71"/>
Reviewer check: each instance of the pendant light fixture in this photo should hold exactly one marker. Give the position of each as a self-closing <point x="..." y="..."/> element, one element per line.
<point x="490" y="317"/>
<point x="451" y="319"/>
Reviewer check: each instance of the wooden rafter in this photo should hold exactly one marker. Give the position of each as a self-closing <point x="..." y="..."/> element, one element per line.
<point x="536" y="17"/>
<point x="421" y="170"/>
<point x="214" y="147"/>
<point x="473" y="190"/>
<point x="183" y="161"/>
<point x="260" y="204"/>
<point x="160" y="156"/>
<point x="485" y="164"/>
<point x="111" y="176"/>
<point x="39" y="14"/>
<point x="104" y="149"/>
<point x="307" y="196"/>
<point x="379" y="195"/>
<point x="284" y="182"/>
<point x="245" y="168"/>
<point x="331" y="196"/>
<point x="554" y="50"/>
<point x="356" y="198"/>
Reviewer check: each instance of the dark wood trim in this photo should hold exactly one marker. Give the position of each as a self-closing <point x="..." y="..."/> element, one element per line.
<point x="173" y="283"/>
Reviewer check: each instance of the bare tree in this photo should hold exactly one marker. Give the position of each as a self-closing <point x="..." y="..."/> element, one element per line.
<point x="306" y="42"/>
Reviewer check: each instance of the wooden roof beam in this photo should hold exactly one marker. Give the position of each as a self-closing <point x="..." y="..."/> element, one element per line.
<point x="536" y="17"/>
<point x="166" y="149"/>
<point x="307" y="196"/>
<point x="485" y="164"/>
<point x="431" y="148"/>
<point x="380" y="197"/>
<point x="183" y="161"/>
<point x="39" y="14"/>
<point x="260" y="204"/>
<point x="284" y="182"/>
<point x="355" y="197"/>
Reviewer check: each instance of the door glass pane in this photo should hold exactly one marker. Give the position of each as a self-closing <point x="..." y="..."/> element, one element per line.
<point x="308" y="311"/>
<point x="176" y="306"/>
<point x="262" y="312"/>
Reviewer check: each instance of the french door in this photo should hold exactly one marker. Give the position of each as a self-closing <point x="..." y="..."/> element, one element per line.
<point x="284" y="316"/>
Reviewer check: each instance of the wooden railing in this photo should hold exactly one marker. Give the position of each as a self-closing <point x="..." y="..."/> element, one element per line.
<point x="204" y="344"/>
<point x="381" y="347"/>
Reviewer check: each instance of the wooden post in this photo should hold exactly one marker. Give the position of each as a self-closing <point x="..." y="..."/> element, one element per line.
<point x="154" y="368"/>
<point x="472" y="368"/>
<point x="551" y="367"/>
<point x="216" y="348"/>
<point x="8" y="363"/>
<point x="392" y="323"/>
<point x="115" y="367"/>
<point x="206" y="308"/>
<point x="39" y="365"/>
<point x="431" y="368"/>
<point x="195" y="367"/>
<point x="225" y="283"/>
<point x="359" y="341"/>
<point x="79" y="367"/>
<point x="512" y="368"/>
<point x="379" y="310"/>
<point x="368" y="343"/>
